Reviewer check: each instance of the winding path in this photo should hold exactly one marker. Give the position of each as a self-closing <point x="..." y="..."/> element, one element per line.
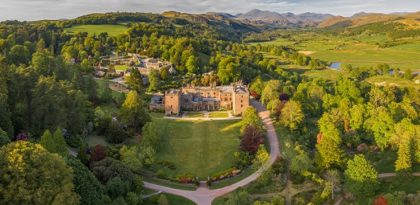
<point x="204" y="195"/>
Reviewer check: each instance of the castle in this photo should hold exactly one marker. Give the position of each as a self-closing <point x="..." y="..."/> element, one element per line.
<point x="234" y="97"/>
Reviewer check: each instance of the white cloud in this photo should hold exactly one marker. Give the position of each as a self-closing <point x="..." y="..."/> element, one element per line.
<point x="56" y="9"/>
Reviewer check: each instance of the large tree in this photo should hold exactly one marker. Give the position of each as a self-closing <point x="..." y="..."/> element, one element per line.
<point x="133" y="112"/>
<point x="271" y="91"/>
<point x="32" y="175"/>
<point x="361" y="178"/>
<point x="291" y="115"/>
<point x="85" y="183"/>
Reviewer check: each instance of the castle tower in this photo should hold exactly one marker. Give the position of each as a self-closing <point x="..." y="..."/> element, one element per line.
<point x="240" y="99"/>
<point x="172" y="102"/>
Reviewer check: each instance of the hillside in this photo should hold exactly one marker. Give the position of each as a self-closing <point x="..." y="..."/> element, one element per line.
<point x="362" y="18"/>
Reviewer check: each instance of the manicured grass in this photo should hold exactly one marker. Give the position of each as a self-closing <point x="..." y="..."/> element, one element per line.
<point x="172" y="199"/>
<point x="218" y="114"/>
<point x="358" y="51"/>
<point x="198" y="148"/>
<point x="121" y="67"/>
<point x="112" y="30"/>
<point x="194" y="114"/>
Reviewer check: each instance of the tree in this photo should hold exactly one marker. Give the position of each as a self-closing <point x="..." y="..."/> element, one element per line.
<point x="135" y="80"/>
<point x="361" y="177"/>
<point x="329" y="152"/>
<point x="250" y="118"/>
<point x="85" y="183"/>
<point x="261" y="156"/>
<point x="300" y="163"/>
<point x="115" y="187"/>
<point x="34" y="176"/>
<point x="98" y="153"/>
<point x="4" y="139"/>
<point x="47" y="141"/>
<point x="405" y="139"/>
<point x="109" y="168"/>
<point x="54" y="143"/>
<point x="382" y="126"/>
<point x="257" y="86"/>
<point x="5" y="114"/>
<point x="251" y="139"/>
<point x="291" y="115"/>
<point x="192" y="64"/>
<point x="271" y="91"/>
<point x="132" y="111"/>
<point x="154" y="81"/>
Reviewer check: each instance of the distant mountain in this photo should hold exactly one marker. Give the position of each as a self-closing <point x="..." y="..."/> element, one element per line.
<point x="363" y="18"/>
<point x="282" y="19"/>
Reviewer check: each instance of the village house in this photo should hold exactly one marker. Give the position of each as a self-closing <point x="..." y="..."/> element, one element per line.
<point x="234" y="97"/>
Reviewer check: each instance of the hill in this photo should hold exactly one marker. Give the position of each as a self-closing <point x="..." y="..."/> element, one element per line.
<point x="362" y="18"/>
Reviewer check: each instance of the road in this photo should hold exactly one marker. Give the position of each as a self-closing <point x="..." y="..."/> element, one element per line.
<point x="203" y="195"/>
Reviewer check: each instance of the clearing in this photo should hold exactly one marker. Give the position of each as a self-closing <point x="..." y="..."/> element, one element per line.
<point x="112" y="30"/>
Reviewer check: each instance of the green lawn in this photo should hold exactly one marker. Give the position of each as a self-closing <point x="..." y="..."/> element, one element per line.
<point x="112" y="30"/>
<point x="199" y="148"/>
<point x="121" y="67"/>
<point x="194" y="114"/>
<point x="218" y="114"/>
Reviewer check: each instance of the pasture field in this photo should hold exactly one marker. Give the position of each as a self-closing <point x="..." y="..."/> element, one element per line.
<point x="197" y="148"/>
<point x="112" y="30"/>
<point x="358" y="51"/>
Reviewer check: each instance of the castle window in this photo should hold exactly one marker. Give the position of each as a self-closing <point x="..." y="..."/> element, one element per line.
<point x="242" y="106"/>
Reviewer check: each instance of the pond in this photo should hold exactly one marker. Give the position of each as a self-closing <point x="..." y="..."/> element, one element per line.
<point x="335" y="65"/>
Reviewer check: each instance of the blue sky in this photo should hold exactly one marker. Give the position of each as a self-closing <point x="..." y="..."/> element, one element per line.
<point x="56" y="9"/>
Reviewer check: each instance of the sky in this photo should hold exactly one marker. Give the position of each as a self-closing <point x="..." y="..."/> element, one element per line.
<point x="58" y="9"/>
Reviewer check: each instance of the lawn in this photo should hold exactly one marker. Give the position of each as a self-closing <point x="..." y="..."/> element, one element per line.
<point x="121" y="67"/>
<point x="112" y="30"/>
<point x="194" y="114"/>
<point x="198" y="148"/>
<point x="218" y="114"/>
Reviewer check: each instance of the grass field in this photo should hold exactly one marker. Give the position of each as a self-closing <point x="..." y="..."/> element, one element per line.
<point x="389" y="80"/>
<point x="112" y="30"/>
<point x="194" y="114"/>
<point x="121" y="67"/>
<point x="199" y="148"/>
<point x="360" y="51"/>
<point x="218" y="114"/>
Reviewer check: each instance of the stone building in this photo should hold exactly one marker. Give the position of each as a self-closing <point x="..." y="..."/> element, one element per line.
<point x="234" y="97"/>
